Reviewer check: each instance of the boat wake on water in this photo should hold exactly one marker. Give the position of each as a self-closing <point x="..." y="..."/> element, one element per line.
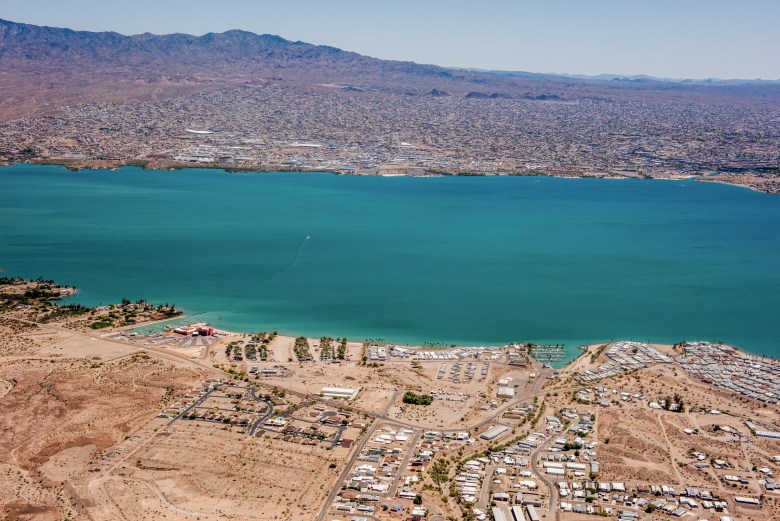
<point x="290" y="266"/>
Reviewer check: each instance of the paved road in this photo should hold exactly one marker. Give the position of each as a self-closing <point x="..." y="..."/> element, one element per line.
<point x="337" y="438"/>
<point x="484" y="494"/>
<point x="259" y="421"/>
<point x="554" y="500"/>
<point x="336" y="488"/>
<point x="188" y="409"/>
<point x="156" y="351"/>
<point x="394" y="487"/>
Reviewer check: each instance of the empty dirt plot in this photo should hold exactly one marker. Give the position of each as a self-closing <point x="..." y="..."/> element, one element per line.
<point x="78" y="345"/>
<point x="373" y="399"/>
<point x="60" y="414"/>
<point x="458" y="405"/>
<point x="637" y="447"/>
<point x="445" y="412"/>
<point x="19" y="337"/>
<point x="211" y="473"/>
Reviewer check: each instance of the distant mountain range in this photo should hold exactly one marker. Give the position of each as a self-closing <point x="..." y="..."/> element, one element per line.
<point x="240" y="52"/>
<point x="42" y="68"/>
<point x="636" y="78"/>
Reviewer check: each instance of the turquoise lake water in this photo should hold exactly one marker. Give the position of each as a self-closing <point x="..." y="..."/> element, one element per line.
<point x="468" y="261"/>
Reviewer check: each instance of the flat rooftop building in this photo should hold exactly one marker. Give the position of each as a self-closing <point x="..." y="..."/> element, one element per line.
<point x="494" y="432"/>
<point x="498" y="515"/>
<point x="505" y="392"/>
<point x="517" y="513"/>
<point x="339" y="392"/>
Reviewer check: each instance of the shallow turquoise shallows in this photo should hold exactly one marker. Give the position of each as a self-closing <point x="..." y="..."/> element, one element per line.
<point x="468" y="261"/>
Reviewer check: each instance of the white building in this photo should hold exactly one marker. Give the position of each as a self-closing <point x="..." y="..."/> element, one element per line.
<point x="339" y="392"/>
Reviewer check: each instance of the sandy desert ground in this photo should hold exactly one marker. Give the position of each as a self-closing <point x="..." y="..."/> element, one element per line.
<point x="100" y="424"/>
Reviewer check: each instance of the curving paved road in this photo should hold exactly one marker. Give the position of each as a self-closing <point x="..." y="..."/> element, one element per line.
<point x="259" y="421"/>
<point x="554" y="499"/>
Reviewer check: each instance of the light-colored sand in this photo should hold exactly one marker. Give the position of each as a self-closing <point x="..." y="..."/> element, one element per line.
<point x="80" y="436"/>
<point x="63" y="465"/>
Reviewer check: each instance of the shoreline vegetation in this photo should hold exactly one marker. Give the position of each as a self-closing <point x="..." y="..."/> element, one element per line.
<point x="749" y="181"/>
<point x="39" y="297"/>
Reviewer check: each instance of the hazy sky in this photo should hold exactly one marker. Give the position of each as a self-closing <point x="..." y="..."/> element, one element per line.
<point x="667" y="38"/>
